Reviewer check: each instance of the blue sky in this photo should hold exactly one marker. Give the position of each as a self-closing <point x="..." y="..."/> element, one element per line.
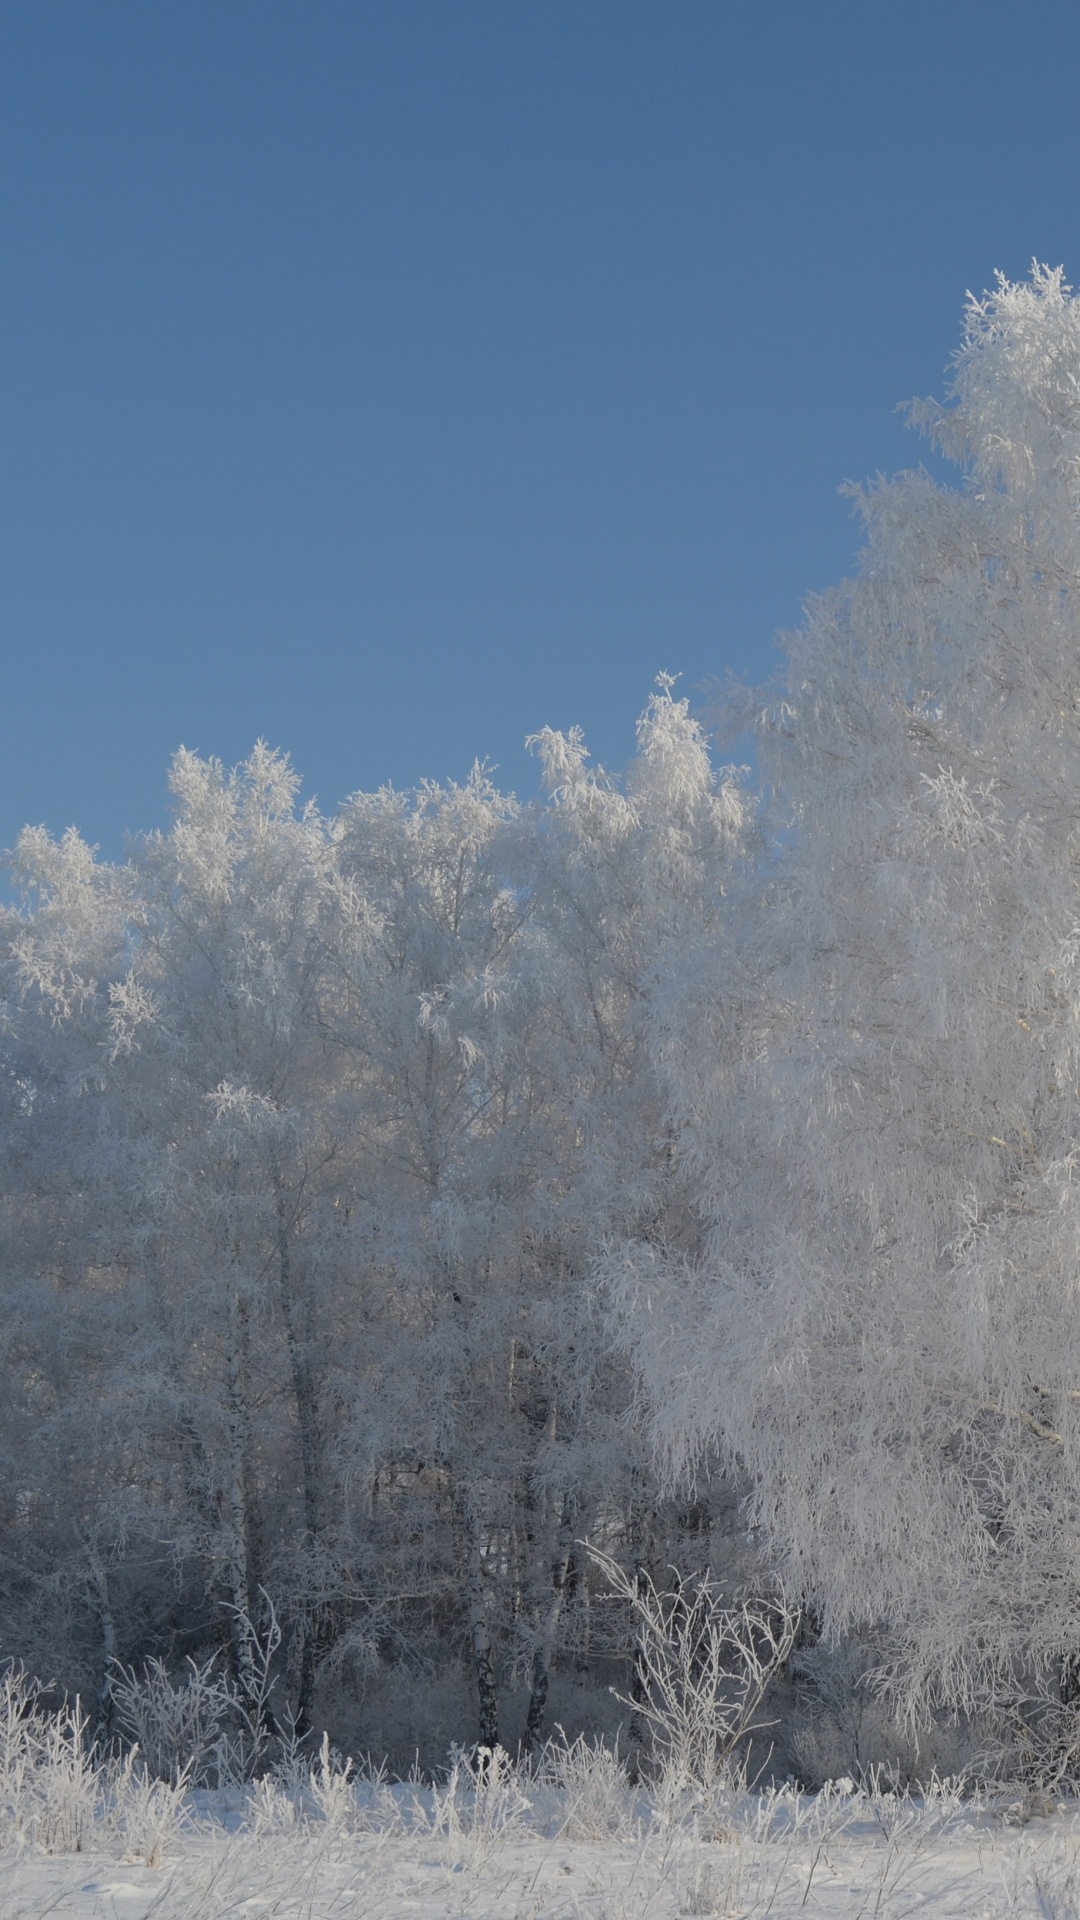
<point x="389" y="380"/>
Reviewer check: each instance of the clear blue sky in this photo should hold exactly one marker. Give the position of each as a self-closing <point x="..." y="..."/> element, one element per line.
<point x="391" y="379"/>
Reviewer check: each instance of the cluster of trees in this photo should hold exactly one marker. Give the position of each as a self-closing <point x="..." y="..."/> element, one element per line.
<point x="332" y="1150"/>
<point x="313" y="1130"/>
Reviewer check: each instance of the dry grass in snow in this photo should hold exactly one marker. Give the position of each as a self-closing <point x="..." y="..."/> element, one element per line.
<point x="566" y="1839"/>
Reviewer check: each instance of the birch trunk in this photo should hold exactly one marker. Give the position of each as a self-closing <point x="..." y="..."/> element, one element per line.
<point x="98" y="1582"/>
<point x="487" y="1687"/>
<point x="545" y="1639"/>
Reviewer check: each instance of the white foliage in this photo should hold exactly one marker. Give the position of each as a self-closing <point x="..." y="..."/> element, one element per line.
<point x="702" y="1669"/>
<point x="314" y="1129"/>
<point x="875" y="1063"/>
<point x="180" y="1725"/>
<point x="588" y="1785"/>
<point x="57" y="1795"/>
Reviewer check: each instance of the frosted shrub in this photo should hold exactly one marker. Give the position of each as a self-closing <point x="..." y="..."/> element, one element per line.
<point x="203" y="1726"/>
<point x="377" y="1809"/>
<point x="181" y="1727"/>
<point x="145" y="1817"/>
<point x="48" y="1780"/>
<point x="333" y="1789"/>
<point x="54" y="1789"/>
<point x="274" y="1805"/>
<point x="702" y="1670"/>
<point x="22" y="1738"/>
<point x="482" y="1799"/>
<point x="63" y="1784"/>
<point x="335" y="1794"/>
<point x="844" y="1725"/>
<point x="593" y="1799"/>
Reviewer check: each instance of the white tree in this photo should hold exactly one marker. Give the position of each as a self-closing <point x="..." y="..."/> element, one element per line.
<point x="629" y="874"/>
<point x="314" y="1130"/>
<point x="197" y="1134"/>
<point x="513" y="1121"/>
<point x="239" y="1126"/>
<point x="876" y="1067"/>
<point x="84" y="1516"/>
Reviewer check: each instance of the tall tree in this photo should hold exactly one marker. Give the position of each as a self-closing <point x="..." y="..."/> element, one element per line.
<point x="877" y="1081"/>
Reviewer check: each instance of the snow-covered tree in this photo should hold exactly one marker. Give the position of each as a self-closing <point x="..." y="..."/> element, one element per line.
<point x="501" y="1018"/>
<point x="313" y="1132"/>
<point x="194" y="1130"/>
<point x="73" y="1502"/>
<point x="876" y="1064"/>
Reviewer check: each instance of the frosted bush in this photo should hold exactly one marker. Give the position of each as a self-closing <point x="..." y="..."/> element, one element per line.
<point x="22" y="1739"/>
<point x="144" y="1817"/>
<point x="702" y="1670"/>
<point x="58" y="1795"/>
<point x="333" y="1789"/>
<point x="181" y="1726"/>
<point x="583" y="1788"/>
<point x="841" y="1724"/>
<point x="482" y="1799"/>
<point x="61" y="1789"/>
<point x="274" y="1805"/>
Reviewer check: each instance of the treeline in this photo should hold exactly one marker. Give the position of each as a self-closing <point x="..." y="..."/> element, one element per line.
<point x="313" y="1131"/>
<point x="385" y="1196"/>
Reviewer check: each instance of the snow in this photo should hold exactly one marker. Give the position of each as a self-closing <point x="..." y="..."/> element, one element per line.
<point x="831" y="1855"/>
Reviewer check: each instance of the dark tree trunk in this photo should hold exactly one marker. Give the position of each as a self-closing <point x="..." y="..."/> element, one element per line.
<point x="304" y="1383"/>
<point x="305" y="1394"/>
<point x="102" y="1602"/>
<point x="487" y="1686"/>
<point x="545" y="1639"/>
<point x="239" y="1523"/>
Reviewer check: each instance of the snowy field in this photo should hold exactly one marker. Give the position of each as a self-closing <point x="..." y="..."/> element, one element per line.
<point x="543" y="1849"/>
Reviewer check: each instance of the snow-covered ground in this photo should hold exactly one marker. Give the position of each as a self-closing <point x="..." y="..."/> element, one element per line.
<point x="552" y="1854"/>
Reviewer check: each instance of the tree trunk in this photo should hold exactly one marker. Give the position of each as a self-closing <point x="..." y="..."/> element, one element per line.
<point x="98" y="1583"/>
<point x="306" y="1402"/>
<point x="487" y="1686"/>
<point x="302" y="1375"/>
<point x="545" y="1639"/>
<point x="241" y="1570"/>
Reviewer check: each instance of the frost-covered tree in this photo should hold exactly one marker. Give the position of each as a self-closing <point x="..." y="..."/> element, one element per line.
<point x="623" y="871"/>
<point x="314" y="1129"/>
<point x="79" y="1518"/>
<point x="240" y="1133"/>
<point x="876" y="1065"/>
<point x="438" y="1020"/>
<point x="501" y="1017"/>
<point x="195" y="1129"/>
